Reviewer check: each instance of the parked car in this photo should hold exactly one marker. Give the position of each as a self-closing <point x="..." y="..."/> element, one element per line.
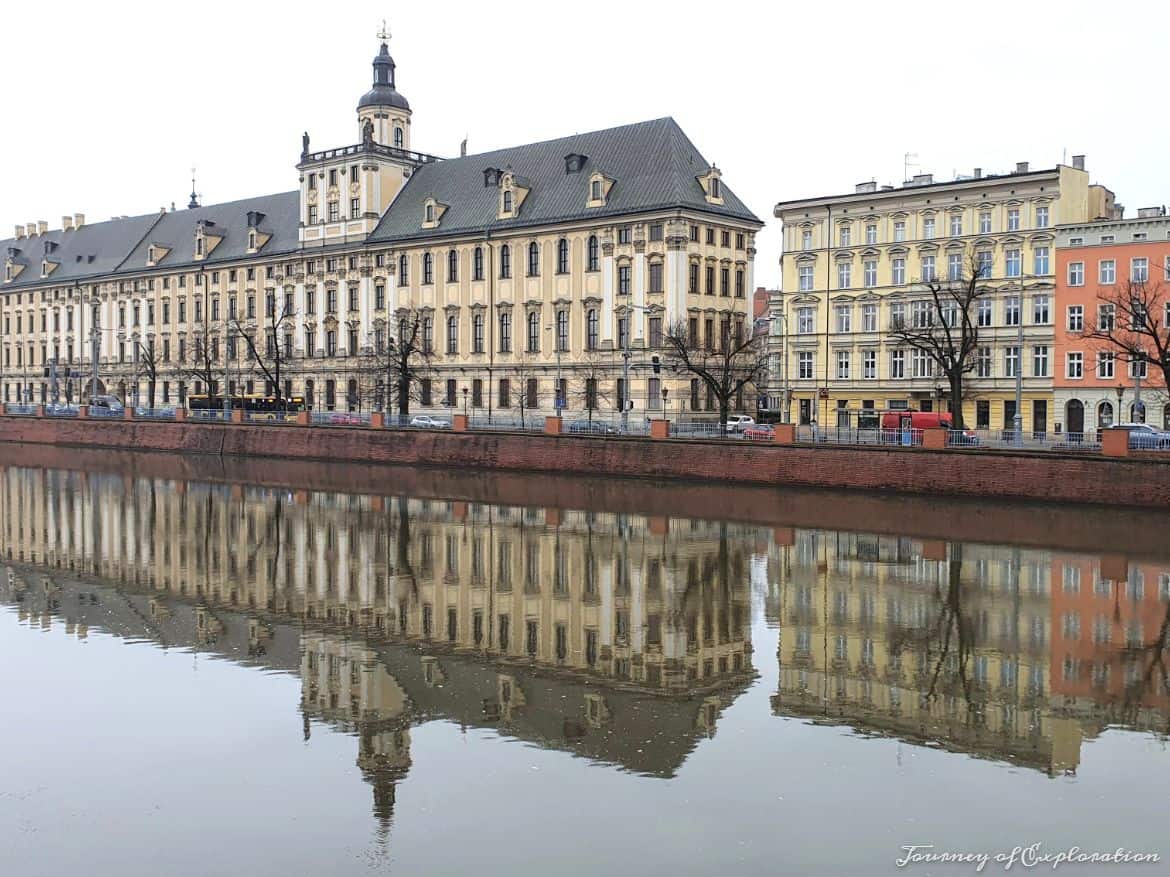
<point x="591" y="427"/>
<point x="1144" y="436"/>
<point x="342" y="419"/>
<point x="737" y="422"/>
<point x="427" y="422"/>
<point x="108" y="403"/>
<point x="760" y="432"/>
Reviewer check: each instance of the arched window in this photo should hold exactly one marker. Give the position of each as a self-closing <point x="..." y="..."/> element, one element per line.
<point x="399" y="139"/>
<point x="507" y="200"/>
<point x="505" y="261"/>
<point x="562" y="330"/>
<point x="506" y="332"/>
<point x="591" y="329"/>
<point x="403" y="280"/>
<point x="428" y="269"/>
<point x="593" y="263"/>
<point x="1104" y="415"/>
<point x="452" y="334"/>
<point x="452" y="266"/>
<point x="477" y="333"/>
<point x="533" y="259"/>
<point x="562" y="256"/>
<point x="714" y="187"/>
<point x="429" y="212"/>
<point x="478" y="264"/>
<point x="533" y="332"/>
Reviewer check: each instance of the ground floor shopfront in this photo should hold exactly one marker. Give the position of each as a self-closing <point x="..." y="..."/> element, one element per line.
<point x="992" y="411"/>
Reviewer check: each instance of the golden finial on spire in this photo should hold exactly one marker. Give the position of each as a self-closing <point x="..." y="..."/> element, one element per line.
<point x="384" y="33"/>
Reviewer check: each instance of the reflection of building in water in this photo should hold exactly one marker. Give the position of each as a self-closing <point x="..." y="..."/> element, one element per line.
<point x="640" y="601"/>
<point x="561" y="628"/>
<point x="950" y="643"/>
<point x="1111" y="623"/>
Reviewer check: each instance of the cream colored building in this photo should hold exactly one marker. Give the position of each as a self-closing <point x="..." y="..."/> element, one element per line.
<point x="855" y="263"/>
<point x="552" y="261"/>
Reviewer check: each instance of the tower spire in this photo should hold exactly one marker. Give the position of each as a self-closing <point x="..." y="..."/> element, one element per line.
<point x="194" y="198"/>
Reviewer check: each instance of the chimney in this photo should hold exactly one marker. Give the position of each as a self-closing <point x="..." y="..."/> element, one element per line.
<point x="1021" y="167"/>
<point x="862" y="188"/>
<point x="30" y="229"/>
<point x="922" y="180"/>
<point x="1079" y="162"/>
<point x="1151" y="212"/>
<point x="66" y="223"/>
<point x="42" y="226"/>
<point x="19" y="231"/>
<point x="978" y="173"/>
<point x="78" y="220"/>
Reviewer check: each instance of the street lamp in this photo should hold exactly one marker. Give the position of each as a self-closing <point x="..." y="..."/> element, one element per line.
<point x="558" y="402"/>
<point x="465" y="401"/>
<point x="1120" y="396"/>
<point x="665" y="409"/>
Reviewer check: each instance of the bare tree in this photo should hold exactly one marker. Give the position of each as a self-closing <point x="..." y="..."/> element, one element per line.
<point x="1133" y="321"/>
<point x="203" y="366"/>
<point x="737" y="362"/>
<point x="593" y="369"/>
<point x="525" y="376"/>
<point x="271" y="362"/>
<point x="402" y="358"/>
<point x="147" y="366"/>
<point x="948" y="330"/>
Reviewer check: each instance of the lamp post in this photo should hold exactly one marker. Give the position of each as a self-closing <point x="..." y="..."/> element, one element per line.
<point x="665" y="409"/>
<point x="1018" y="420"/>
<point x="1120" y="395"/>
<point x="558" y="402"/>
<point x="465" y="401"/>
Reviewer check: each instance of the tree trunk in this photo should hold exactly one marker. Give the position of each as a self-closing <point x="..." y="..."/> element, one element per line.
<point x="403" y="396"/>
<point x="724" y="410"/>
<point x="956" y="382"/>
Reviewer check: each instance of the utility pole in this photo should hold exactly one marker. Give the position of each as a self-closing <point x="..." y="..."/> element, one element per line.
<point x="93" y="352"/>
<point x="626" y="401"/>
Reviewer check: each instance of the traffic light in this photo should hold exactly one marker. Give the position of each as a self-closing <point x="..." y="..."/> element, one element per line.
<point x="657" y="363"/>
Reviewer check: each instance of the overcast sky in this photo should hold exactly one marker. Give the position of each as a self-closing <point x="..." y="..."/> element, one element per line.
<point x="107" y="106"/>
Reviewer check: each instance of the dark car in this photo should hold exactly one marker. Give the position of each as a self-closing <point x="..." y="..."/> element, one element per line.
<point x="591" y="427"/>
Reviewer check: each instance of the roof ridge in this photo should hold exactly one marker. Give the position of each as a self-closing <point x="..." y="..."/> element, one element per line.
<point x="568" y="137"/>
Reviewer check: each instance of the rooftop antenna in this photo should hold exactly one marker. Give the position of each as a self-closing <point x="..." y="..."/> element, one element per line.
<point x="194" y="198"/>
<point x="909" y="160"/>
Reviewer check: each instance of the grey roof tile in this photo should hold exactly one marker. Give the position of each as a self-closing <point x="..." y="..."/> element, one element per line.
<point x="90" y="251"/>
<point x="653" y="165"/>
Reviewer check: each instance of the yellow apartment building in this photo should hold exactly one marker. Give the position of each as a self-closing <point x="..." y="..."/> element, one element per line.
<point x="854" y="264"/>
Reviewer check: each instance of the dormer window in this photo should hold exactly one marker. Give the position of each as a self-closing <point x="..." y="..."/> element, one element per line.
<point x="574" y="163"/>
<point x="712" y="185"/>
<point x="7" y="272"/>
<point x="491" y="177"/>
<point x="199" y="246"/>
<point x="513" y="191"/>
<point x="507" y="201"/>
<point x="252" y="240"/>
<point x="599" y="186"/>
<point x="433" y="213"/>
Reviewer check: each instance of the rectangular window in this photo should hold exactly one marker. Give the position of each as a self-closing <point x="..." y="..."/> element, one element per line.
<point x="928" y="227"/>
<point x="844" y="233"/>
<point x="897" y="364"/>
<point x="1076" y="273"/>
<point x="921" y="363"/>
<point x="1105" y="364"/>
<point x="983" y="313"/>
<point x="1074" y="365"/>
<point x="804" y="277"/>
<point x="693" y="279"/>
<point x="956" y="225"/>
<point x="1040" y="361"/>
<point x="1013" y="262"/>
<point x="656" y="231"/>
<point x="623" y="280"/>
<point x="806" y="322"/>
<point x="869" y="318"/>
<point x="870" y="273"/>
<point x="1040" y="260"/>
<point x="806" y="239"/>
<point x="655" y="277"/>
<point x="869" y="364"/>
<point x="955" y="266"/>
<point x="725" y="239"/>
<point x="900" y="230"/>
<point x="897" y="315"/>
<point x="1013" y="223"/>
<point x="724" y="282"/>
<point x="1107" y="271"/>
<point x="983" y="362"/>
<point x="1011" y="311"/>
<point x="355" y="209"/>
<point x="740" y="289"/>
<point x="1041" y="217"/>
<point x="1076" y="318"/>
<point x="928" y="273"/>
<point x="843" y="365"/>
<point x="1139" y="270"/>
<point x="1040" y="310"/>
<point x="898" y="272"/>
<point x="844" y="318"/>
<point x="985" y="222"/>
<point x="871" y="233"/>
<point x="804" y="365"/>
<point x="1106" y="317"/>
<point x="1011" y="361"/>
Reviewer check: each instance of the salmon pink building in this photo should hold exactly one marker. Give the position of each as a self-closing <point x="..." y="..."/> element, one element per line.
<point x="1094" y="384"/>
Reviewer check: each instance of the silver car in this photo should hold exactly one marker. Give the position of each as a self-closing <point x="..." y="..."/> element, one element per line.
<point x="1143" y="436"/>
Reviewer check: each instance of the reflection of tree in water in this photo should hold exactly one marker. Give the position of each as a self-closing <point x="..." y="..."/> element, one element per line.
<point x="1151" y="658"/>
<point x="952" y="632"/>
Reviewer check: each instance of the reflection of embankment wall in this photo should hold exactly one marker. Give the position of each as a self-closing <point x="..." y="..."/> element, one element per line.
<point x="1082" y="528"/>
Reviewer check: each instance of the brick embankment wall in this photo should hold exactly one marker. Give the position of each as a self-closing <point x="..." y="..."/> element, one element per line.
<point x="1039" y="476"/>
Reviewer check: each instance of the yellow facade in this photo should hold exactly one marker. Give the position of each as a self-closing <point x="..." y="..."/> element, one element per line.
<point x="852" y="263"/>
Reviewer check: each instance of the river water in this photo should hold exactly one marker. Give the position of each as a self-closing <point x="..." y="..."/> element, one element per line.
<point x="257" y="669"/>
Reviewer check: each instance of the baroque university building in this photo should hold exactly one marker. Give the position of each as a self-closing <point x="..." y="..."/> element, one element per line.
<point x="523" y="266"/>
